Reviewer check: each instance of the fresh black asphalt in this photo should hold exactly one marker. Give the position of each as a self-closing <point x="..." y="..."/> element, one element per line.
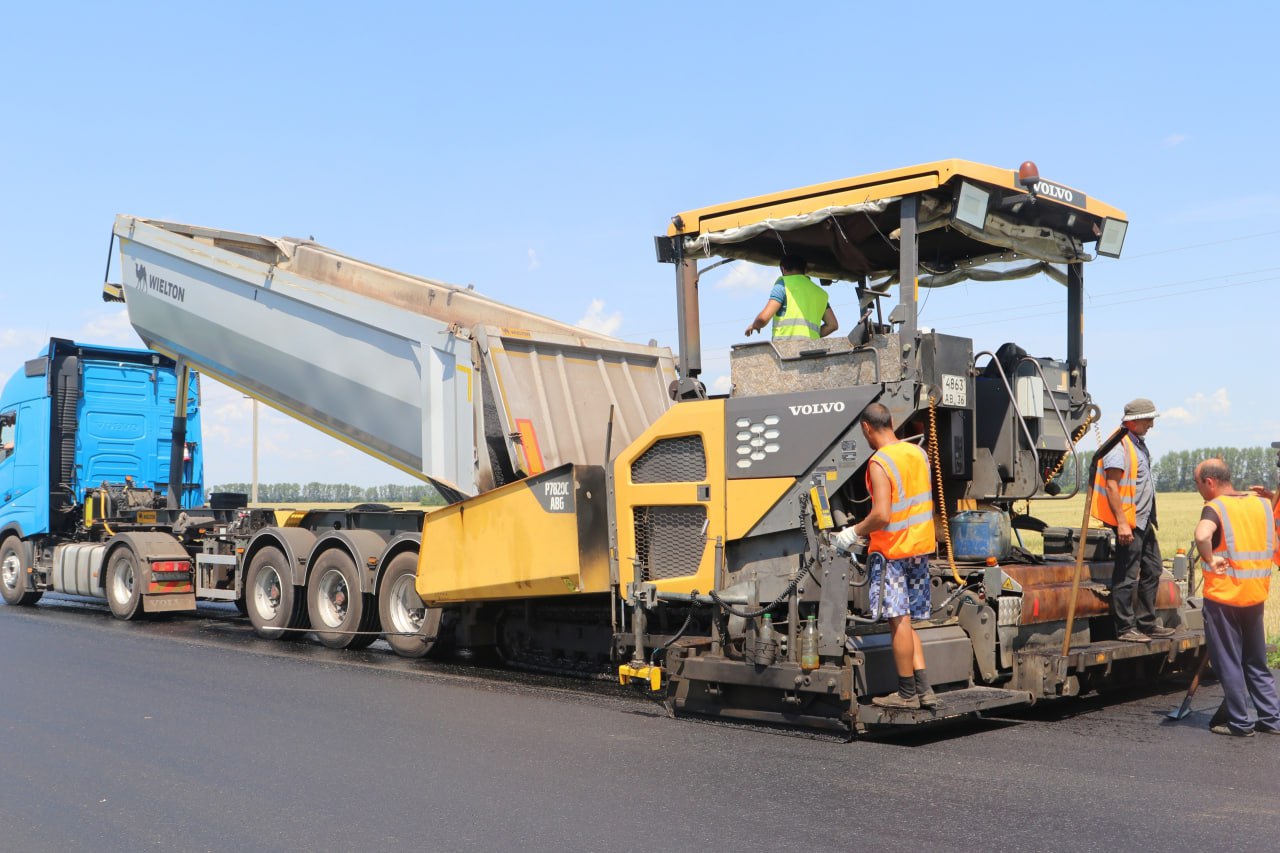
<point x="190" y="734"/>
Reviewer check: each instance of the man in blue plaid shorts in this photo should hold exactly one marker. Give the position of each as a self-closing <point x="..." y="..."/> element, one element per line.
<point x="900" y="535"/>
<point x="899" y="587"/>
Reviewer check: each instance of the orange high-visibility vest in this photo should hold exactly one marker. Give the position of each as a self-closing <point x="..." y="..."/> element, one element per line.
<point x="1101" y="508"/>
<point x="1248" y="542"/>
<point x="910" y="530"/>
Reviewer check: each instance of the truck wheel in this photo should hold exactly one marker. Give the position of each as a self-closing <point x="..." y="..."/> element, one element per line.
<point x="271" y="599"/>
<point x="335" y="603"/>
<point x="15" y="583"/>
<point x="124" y="585"/>
<point x="409" y="625"/>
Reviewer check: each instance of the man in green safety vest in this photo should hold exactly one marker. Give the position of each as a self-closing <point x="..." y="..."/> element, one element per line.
<point x="797" y="306"/>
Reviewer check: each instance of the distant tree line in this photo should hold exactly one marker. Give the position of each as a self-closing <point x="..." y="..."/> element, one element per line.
<point x="1174" y="470"/>
<point x="1249" y="465"/>
<point x="285" y="493"/>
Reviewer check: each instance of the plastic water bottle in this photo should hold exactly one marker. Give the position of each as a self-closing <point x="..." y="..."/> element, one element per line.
<point x="766" y="642"/>
<point x="809" y="645"/>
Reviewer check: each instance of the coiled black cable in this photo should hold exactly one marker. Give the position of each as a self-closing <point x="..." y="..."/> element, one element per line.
<point x="782" y="596"/>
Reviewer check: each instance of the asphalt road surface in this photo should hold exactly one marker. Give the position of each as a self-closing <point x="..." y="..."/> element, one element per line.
<point x="191" y="734"/>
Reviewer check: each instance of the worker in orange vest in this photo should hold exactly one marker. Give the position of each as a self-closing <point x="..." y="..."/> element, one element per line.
<point x="899" y="535"/>
<point x="1236" y="538"/>
<point x="1125" y="500"/>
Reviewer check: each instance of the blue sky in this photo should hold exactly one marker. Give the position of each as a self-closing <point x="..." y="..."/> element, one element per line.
<point x="533" y="150"/>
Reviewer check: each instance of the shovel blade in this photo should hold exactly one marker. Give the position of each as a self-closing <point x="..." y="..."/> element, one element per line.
<point x="1185" y="708"/>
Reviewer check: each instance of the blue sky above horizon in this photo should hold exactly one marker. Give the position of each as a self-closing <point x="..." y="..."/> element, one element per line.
<point x="534" y="150"/>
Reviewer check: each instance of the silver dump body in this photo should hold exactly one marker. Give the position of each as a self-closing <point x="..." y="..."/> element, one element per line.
<point x="433" y="378"/>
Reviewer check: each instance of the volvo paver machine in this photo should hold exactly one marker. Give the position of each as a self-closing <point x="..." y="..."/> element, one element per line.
<point x="725" y="507"/>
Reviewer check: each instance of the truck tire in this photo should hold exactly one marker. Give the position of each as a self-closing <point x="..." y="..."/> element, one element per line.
<point x="15" y="583"/>
<point x="409" y="625"/>
<point x="335" y="602"/>
<point x="272" y="602"/>
<point x="124" y="584"/>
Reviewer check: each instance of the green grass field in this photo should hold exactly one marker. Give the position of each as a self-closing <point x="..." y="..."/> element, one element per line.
<point x="1177" y="514"/>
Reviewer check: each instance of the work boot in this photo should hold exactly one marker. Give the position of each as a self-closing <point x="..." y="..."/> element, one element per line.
<point x="1230" y="731"/>
<point x="1133" y="635"/>
<point x="897" y="702"/>
<point x="928" y="699"/>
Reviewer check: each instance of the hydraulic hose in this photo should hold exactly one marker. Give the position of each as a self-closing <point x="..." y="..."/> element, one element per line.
<point x="688" y="620"/>
<point x="752" y="614"/>
<point x="953" y="596"/>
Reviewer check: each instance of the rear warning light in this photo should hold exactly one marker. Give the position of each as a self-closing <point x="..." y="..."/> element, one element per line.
<point x="171" y="570"/>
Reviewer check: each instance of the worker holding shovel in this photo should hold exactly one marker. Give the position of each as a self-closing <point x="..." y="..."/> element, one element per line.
<point x="1236" y="538"/>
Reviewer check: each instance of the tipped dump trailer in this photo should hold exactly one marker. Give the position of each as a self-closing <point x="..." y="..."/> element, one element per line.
<point x="433" y="378"/>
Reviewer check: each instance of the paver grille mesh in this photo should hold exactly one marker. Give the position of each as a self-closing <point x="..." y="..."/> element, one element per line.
<point x="672" y="460"/>
<point x="670" y="540"/>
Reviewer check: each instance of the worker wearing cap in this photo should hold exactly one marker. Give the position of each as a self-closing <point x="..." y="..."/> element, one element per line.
<point x="899" y="535"/>
<point x="798" y="307"/>
<point x="1125" y="500"/>
<point x="1236" y="538"/>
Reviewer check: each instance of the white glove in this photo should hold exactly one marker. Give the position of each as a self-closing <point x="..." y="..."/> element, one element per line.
<point x="846" y="540"/>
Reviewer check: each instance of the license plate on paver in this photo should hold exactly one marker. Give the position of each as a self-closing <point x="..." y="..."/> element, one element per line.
<point x="954" y="390"/>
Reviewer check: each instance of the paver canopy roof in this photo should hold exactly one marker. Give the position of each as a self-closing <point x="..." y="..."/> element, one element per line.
<point x="848" y="229"/>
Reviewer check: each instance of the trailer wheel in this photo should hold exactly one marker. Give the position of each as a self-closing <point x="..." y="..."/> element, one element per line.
<point x="409" y="625"/>
<point x="271" y="599"/>
<point x="15" y="583"/>
<point x="124" y="584"/>
<point x="335" y="603"/>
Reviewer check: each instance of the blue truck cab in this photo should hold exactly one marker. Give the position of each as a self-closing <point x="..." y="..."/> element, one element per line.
<point x="82" y="420"/>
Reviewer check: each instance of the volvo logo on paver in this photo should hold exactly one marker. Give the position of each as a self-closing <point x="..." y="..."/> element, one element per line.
<point x="157" y="285"/>
<point x="1060" y="193"/>
<point x="817" y="408"/>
